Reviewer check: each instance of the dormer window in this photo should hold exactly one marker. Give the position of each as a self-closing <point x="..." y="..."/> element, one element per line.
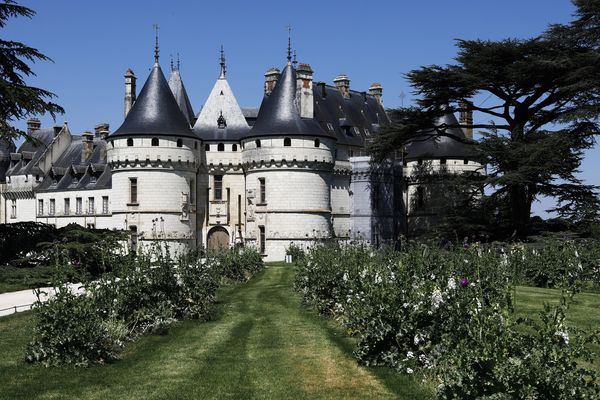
<point x="287" y="142"/>
<point x="220" y="147"/>
<point x="317" y="143"/>
<point x="330" y="126"/>
<point x="154" y="141"/>
<point x="179" y="143"/>
<point x="129" y="142"/>
<point x="221" y="123"/>
<point x="234" y="147"/>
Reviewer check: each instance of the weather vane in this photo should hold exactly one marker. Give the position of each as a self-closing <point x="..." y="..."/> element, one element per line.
<point x="289" y="51"/>
<point x="155" y="27"/>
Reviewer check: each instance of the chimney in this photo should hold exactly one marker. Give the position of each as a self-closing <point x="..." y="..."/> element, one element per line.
<point x="33" y="125"/>
<point x="271" y="78"/>
<point x="343" y="84"/>
<point x="87" y="141"/>
<point x="101" y="130"/>
<point x="466" y="118"/>
<point x="376" y="91"/>
<point x="304" y="90"/>
<point x="130" y="95"/>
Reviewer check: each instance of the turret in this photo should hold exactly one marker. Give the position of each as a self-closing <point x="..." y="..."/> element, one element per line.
<point x="130" y="95"/>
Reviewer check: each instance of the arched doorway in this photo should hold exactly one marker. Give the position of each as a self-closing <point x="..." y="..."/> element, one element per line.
<point x="218" y="239"/>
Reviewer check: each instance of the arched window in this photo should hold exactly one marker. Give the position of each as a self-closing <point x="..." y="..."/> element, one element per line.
<point x="257" y="143"/>
<point x="234" y="147"/>
<point x="129" y="142"/>
<point x="207" y="147"/>
<point x="179" y="143"/>
<point x="154" y="141"/>
<point x="287" y="142"/>
<point x="220" y="147"/>
<point x="317" y="143"/>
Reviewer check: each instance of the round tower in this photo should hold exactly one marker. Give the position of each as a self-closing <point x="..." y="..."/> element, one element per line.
<point x="288" y="159"/>
<point x="154" y="157"/>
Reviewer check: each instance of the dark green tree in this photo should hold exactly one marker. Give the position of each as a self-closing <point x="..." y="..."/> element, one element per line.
<point x="17" y="100"/>
<point x="541" y="100"/>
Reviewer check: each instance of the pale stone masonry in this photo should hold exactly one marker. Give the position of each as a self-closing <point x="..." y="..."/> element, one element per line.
<point x="292" y="172"/>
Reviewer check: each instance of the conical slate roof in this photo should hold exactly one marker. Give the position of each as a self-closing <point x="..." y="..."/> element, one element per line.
<point x="155" y="112"/>
<point x="221" y="102"/>
<point x="437" y="146"/>
<point x="279" y="114"/>
<point x="180" y="94"/>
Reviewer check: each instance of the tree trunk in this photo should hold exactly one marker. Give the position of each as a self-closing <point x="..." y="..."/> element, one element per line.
<point x="520" y="209"/>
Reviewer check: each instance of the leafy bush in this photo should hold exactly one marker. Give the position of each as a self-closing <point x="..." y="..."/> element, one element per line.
<point x="142" y="294"/>
<point x="238" y="264"/>
<point x="296" y="252"/>
<point x="448" y="314"/>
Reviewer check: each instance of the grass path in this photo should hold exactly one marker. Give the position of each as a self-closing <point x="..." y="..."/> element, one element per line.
<point x="262" y="345"/>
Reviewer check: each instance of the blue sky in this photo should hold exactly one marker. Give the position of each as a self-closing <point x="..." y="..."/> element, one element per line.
<point x="92" y="43"/>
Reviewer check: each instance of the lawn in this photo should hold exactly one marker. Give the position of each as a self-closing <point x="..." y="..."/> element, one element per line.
<point x="13" y="278"/>
<point x="263" y="344"/>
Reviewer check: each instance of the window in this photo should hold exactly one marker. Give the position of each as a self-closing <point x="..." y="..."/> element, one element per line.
<point x="317" y="143"/>
<point x="154" y="141"/>
<point x="91" y="226"/>
<point x="196" y="145"/>
<point x="420" y="162"/>
<point x="263" y="190"/>
<point x="192" y="191"/>
<point x="351" y="153"/>
<point x="466" y="161"/>
<point x="134" y="239"/>
<point x="52" y="207"/>
<point x="67" y="206"/>
<point x="40" y="207"/>
<point x="37" y="178"/>
<point x="207" y="147"/>
<point x="78" y="205"/>
<point x="13" y="209"/>
<point x="234" y="147"/>
<point x="443" y="161"/>
<point x="262" y="239"/>
<point x="287" y="142"/>
<point x="91" y="208"/>
<point x="218" y="187"/>
<point x="112" y="143"/>
<point x="104" y="204"/>
<point x="133" y="190"/>
<point x="129" y="142"/>
<point x="257" y="142"/>
<point x="420" y="197"/>
<point x="179" y="143"/>
<point x="221" y="123"/>
<point x="330" y="126"/>
<point x="220" y="147"/>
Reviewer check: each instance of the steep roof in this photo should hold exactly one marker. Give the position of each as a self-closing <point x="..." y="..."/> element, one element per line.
<point x="155" y="112"/>
<point x="221" y="102"/>
<point x="181" y="97"/>
<point x="34" y="150"/>
<point x="431" y="145"/>
<point x="279" y="114"/>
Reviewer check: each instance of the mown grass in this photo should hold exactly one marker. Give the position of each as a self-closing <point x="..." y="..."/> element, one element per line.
<point x="262" y="344"/>
<point x="13" y="278"/>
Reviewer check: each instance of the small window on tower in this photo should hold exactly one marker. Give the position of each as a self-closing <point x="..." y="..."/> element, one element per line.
<point x="220" y="147"/>
<point x="221" y="123"/>
<point x="154" y="141"/>
<point x="179" y="143"/>
<point x="317" y="143"/>
<point x="466" y="161"/>
<point x="130" y="142"/>
<point x="207" y="147"/>
<point x="257" y="143"/>
<point x="287" y="142"/>
<point x="234" y="147"/>
<point x="443" y="161"/>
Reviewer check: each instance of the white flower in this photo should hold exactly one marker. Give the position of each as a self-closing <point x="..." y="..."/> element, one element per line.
<point x="576" y="253"/>
<point x="405" y="305"/>
<point x="432" y="277"/>
<point x="410" y="355"/>
<point x="451" y="283"/>
<point x="418" y="339"/>
<point x="436" y="299"/>
<point x="409" y="370"/>
<point x="345" y="277"/>
<point x="564" y="335"/>
<point x="378" y="279"/>
<point x="363" y="274"/>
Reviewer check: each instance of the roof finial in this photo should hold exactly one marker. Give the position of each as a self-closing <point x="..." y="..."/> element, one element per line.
<point x="222" y="63"/>
<point x="171" y="62"/>
<point x="178" y="62"/>
<point x="289" y="49"/>
<point x="155" y="26"/>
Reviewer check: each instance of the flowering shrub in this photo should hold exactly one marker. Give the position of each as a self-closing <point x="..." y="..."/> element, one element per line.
<point x="414" y="310"/>
<point x="144" y="294"/>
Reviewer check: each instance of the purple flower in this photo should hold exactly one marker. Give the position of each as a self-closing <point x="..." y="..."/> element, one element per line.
<point x="466" y="246"/>
<point x="464" y="282"/>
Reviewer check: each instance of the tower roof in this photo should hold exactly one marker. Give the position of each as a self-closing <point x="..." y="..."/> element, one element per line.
<point x="279" y="114"/>
<point x="155" y="112"/>
<point x="181" y="96"/>
<point x="438" y="146"/>
<point x="221" y="117"/>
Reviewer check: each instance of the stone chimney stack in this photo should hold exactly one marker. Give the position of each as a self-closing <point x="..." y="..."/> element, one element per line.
<point x="33" y="125"/>
<point x="101" y="130"/>
<point x="304" y="90"/>
<point x="87" y="141"/>
<point x="271" y="77"/>
<point x="377" y="91"/>
<point x="343" y="84"/>
<point x="466" y="118"/>
<point x="130" y="95"/>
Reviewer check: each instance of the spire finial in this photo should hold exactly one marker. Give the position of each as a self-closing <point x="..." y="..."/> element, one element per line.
<point x="172" y="69"/>
<point x="178" y="62"/>
<point x="155" y="26"/>
<point x="222" y="63"/>
<point x="289" y="49"/>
